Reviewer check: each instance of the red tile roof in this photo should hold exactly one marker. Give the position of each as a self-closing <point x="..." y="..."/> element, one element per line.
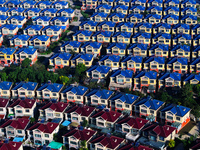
<point x="2" y="116"/>
<point x="110" y="116"/>
<point x="58" y="107"/>
<point x="136" y="123"/>
<point x="45" y="128"/>
<point x="27" y="103"/>
<point x="19" y="123"/>
<point x="108" y="142"/>
<point x="10" y="146"/>
<point x="83" y="111"/>
<point x="131" y="147"/>
<point x="197" y="145"/>
<point x="81" y="135"/>
<point x="3" y="102"/>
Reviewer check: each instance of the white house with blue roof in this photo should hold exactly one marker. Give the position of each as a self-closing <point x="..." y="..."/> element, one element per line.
<point x="9" y="29"/>
<point x="122" y="37"/>
<point x="16" y="11"/>
<point x="69" y="13"/>
<point x="32" y="13"/>
<point x="12" y="4"/>
<point x="134" y="18"/>
<point x="85" y="59"/>
<point x="73" y="94"/>
<point x="106" y="26"/>
<point x="188" y="3"/>
<point x="3" y="19"/>
<point x="154" y="64"/>
<point x="5" y="89"/>
<point x="98" y="72"/>
<point x="124" y="27"/>
<point x="133" y="63"/>
<point x="98" y="97"/>
<point x="71" y="46"/>
<point x="162" y="28"/>
<point x="189" y="11"/>
<point x="159" y="50"/>
<point x="171" y="3"/>
<point x="182" y="39"/>
<point x="63" y="22"/>
<point x="49" y="91"/>
<point x="112" y="61"/>
<point x="179" y="65"/>
<point x="175" y="115"/>
<point x="28" y="4"/>
<point x="52" y="31"/>
<point x="50" y="12"/>
<point x="117" y="17"/>
<point x="153" y="18"/>
<point x="105" y="8"/>
<point x="39" y="42"/>
<point x="143" y="27"/>
<point x="24" y="90"/>
<point x="89" y="26"/>
<point x="33" y="30"/>
<point x="123" y="102"/>
<point x="120" y="9"/>
<point x="193" y="79"/>
<point x="42" y="20"/>
<point x="141" y="38"/>
<point x="155" y="10"/>
<point x="102" y="36"/>
<point x="148" y="108"/>
<point x="20" y="41"/>
<point x="4" y="10"/>
<point x="138" y="2"/>
<point x="137" y="49"/>
<point x="181" y="29"/>
<point x="122" y="2"/>
<point x="180" y="51"/>
<point x="116" y="49"/>
<point x="189" y="19"/>
<point x="17" y="20"/>
<point x="60" y="5"/>
<point x="99" y="17"/>
<point x="155" y="3"/>
<point x="93" y="48"/>
<point x="136" y="9"/>
<point x="162" y="38"/>
<point x="44" y="4"/>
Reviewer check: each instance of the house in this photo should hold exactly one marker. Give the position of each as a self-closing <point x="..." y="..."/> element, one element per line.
<point x="69" y="13"/>
<point x="170" y="19"/>
<point x="121" y="9"/>
<point x="98" y="72"/>
<point x="121" y="79"/>
<point x="180" y="51"/>
<point x="41" y="133"/>
<point x="52" y="31"/>
<point x="154" y="64"/>
<point x="5" y="88"/>
<point x="134" y="18"/>
<point x="122" y="37"/>
<point x="155" y="3"/>
<point x="50" y="12"/>
<point x="85" y="59"/>
<point x="7" y="56"/>
<point x="3" y="106"/>
<point x="192" y="79"/>
<point x="162" y="28"/>
<point x="99" y="17"/>
<point x="32" y="30"/>
<point x="9" y="29"/>
<point x="24" y="90"/>
<point x="63" y="22"/>
<point x="17" y="20"/>
<point x="42" y="20"/>
<point x="143" y="28"/>
<point x="196" y="51"/>
<point x="3" y="19"/>
<point x="1" y="40"/>
<point x="123" y="102"/>
<point x="142" y="38"/>
<point x="4" y="11"/>
<point x="49" y="91"/>
<point x="137" y="49"/>
<point x="182" y="39"/>
<point x="171" y="3"/>
<point x="79" y="113"/>
<point x="175" y="115"/>
<point x="171" y="11"/>
<point x="14" y="128"/>
<point x="153" y="18"/>
<point x="73" y="94"/>
<point x="138" y="3"/>
<point x="32" y="13"/>
<point x="40" y="41"/>
<point x="103" y="142"/>
<point x="24" y="53"/>
<point x="188" y="3"/>
<point x="155" y="10"/>
<point x="148" y="108"/>
<point x="82" y="36"/>
<point x="28" y="4"/>
<point x="189" y="19"/>
<point x="102" y="36"/>
<point x="60" y="60"/>
<point x="159" y="50"/>
<point x="108" y="2"/>
<point x="116" y="17"/>
<point x="133" y="63"/>
<point x="181" y="29"/>
<point x="136" y="147"/>
<point x="74" y="138"/>
<point x="122" y="2"/>
<point x="196" y="40"/>
<point x="11" y="145"/>
<point x="145" y="81"/>
<point x="137" y="9"/>
<point x="44" y="4"/>
<point x="89" y="26"/>
<point x="169" y="80"/>
<point x="2" y="3"/>
<point x="189" y="11"/>
<point x="53" y="111"/>
<point x="103" y="119"/>
<point x="161" y="38"/>
<point x="195" y="65"/>
<point x="116" y="49"/>
<point x="12" y="4"/>
<point x="60" y="5"/>
<point x="20" y="40"/>
<point x="70" y="46"/>
<point x="16" y="11"/>
<point x="22" y="108"/>
<point x="106" y="26"/>
<point x="105" y="8"/>
<point x="98" y="97"/>
<point x="110" y="61"/>
<point x="125" y="27"/>
<point x="93" y="48"/>
<point x="179" y="65"/>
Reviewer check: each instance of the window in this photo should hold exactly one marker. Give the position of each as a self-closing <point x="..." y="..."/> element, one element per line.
<point x="169" y="117"/>
<point x="178" y="118"/>
<point x="126" y="130"/>
<point x="19" y="111"/>
<point x="72" y="142"/>
<point x="161" y="138"/>
<point x="119" y="105"/>
<point x="102" y="101"/>
<point x="151" y="111"/>
<point x="74" y="118"/>
<point x="19" y="131"/>
<point x="127" y="106"/>
<point x="38" y="135"/>
<point x="46" y="135"/>
<point x="54" y="94"/>
<point x="78" y="97"/>
<point x="27" y="110"/>
<point x="1" y="109"/>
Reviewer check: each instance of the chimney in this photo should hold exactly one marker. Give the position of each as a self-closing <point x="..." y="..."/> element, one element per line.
<point x="88" y="133"/>
<point x="51" y="125"/>
<point x="157" y="103"/>
<point x="14" y="145"/>
<point x="141" y="121"/>
<point x="167" y="128"/>
<point x="61" y="105"/>
<point x="115" y="140"/>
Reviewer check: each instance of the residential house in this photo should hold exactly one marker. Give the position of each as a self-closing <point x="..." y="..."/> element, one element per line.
<point x="106" y="26"/>
<point x="153" y="18"/>
<point x="70" y="46"/>
<point x="99" y="17"/>
<point x="12" y="145"/>
<point x="32" y="13"/>
<point x="181" y="29"/>
<point x="69" y="13"/>
<point x="24" y="90"/>
<point x="44" y="4"/>
<point x="170" y="19"/>
<point x="4" y="11"/>
<point x="154" y="64"/>
<point x="122" y="37"/>
<point x="98" y="72"/>
<point x="17" y="20"/>
<point x="171" y="11"/>
<point x="180" y="51"/>
<point x="192" y="79"/>
<point x="137" y="49"/>
<point x="82" y="36"/>
<point x="3" y="19"/>
<point x="85" y="59"/>
<point x="189" y="19"/>
<point x="40" y="41"/>
<point x="41" y="133"/>
<point x="60" y="5"/>
<point x="9" y="29"/>
<point x="3" y="105"/>
<point x="12" y="4"/>
<point x="2" y="3"/>
<point x="159" y="50"/>
<point x="155" y="3"/>
<point x="175" y="115"/>
<point x="49" y="91"/>
<point x="162" y="38"/>
<point x="60" y="60"/>
<point x="89" y="4"/>
<point x="52" y="31"/>
<point x="182" y="39"/>
<point x="122" y="2"/>
<point x="16" y="11"/>
<point x="93" y="48"/>
<point x="42" y="20"/>
<point x="28" y="4"/>
<point x="32" y="30"/>
<point x="14" y="128"/>
<point x="105" y="8"/>
<point x="50" y="12"/>
<point x="116" y="49"/>
<point x="196" y="51"/>
<point x="195" y="65"/>
<point x="24" y="53"/>
<point x="169" y="80"/>
<point x="116" y="17"/>
<point x="98" y="97"/>
<point x="134" y="18"/>
<point x="21" y="108"/>
<point x="1" y="40"/>
<point x="171" y="3"/>
<point x="189" y="11"/>
<point x="196" y="40"/>
<point x="102" y="36"/>
<point x="138" y="3"/>
<point x="5" y="88"/>
<point x="142" y="38"/>
<point x="110" y="61"/>
<point x="188" y="3"/>
<point x="162" y="28"/>
<point x="121" y="9"/>
<point x="7" y="56"/>
<point x="179" y="65"/>
<point x="73" y="94"/>
<point x="133" y="63"/>
<point x="137" y="9"/>
<point x="53" y="111"/>
<point x="89" y="26"/>
<point x="108" y="2"/>
<point x="20" y="40"/>
<point x="145" y="81"/>
<point x="63" y="22"/>
<point x="125" y="27"/>
<point x="143" y="28"/>
<point x="121" y="79"/>
<point x="155" y="10"/>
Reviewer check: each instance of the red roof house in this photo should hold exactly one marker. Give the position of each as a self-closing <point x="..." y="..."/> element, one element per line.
<point x="3" y="106"/>
<point x="11" y="146"/>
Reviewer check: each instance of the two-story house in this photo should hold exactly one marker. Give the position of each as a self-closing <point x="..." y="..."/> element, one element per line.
<point x="20" y="40"/>
<point x="98" y="72"/>
<point x="180" y="51"/>
<point x="162" y="28"/>
<point x="93" y="48"/>
<point x="99" y="17"/>
<point x="181" y="29"/>
<point x="122" y="37"/>
<point x="194" y="65"/>
<point x="17" y="20"/>
<point x="110" y="61"/>
<point x="5" y="89"/>
<point x="133" y="63"/>
<point x="137" y="49"/>
<point x="89" y="26"/>
<point x="3" y="107"/>
<point x="143" y="27"/>
<point x="85" y="59"/>
<point x="134" y="18"/>
<point x="182" y="39"/>
<point x="32" y="13"/>
<point x="192" y="79"/>
<point x="7" y="56"/>
<point x="125" y="27"/>
<point x="142" y="38"/>
<point x="82" y="36"/>
<point x="161" y="38"/>
<point x="71" y="46"/>
<point x="116" y="49"/>
<point x="106" y="26"/>
<point x="42" y="21"/>
<point x="159" y="50"/>
<point x="33" y="30"/>
<point x="9" y="29"/>
<point x="63" y="22"/>
<point x="154" y="64"/>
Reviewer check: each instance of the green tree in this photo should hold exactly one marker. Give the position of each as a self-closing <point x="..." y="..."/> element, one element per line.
<point x="64" y="79"/>
<point x="83" y="145"/>
<point x="85" y="123"/>
<point x="171" y="144"/>
<point x="26" y="62"/>
<point x="3" y="76"/>
<point x="80" y="68"/>
<point x="32" y="120"/>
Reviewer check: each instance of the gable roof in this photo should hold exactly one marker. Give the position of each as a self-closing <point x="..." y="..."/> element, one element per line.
<point x="81" y="110"/>
<point x="48" y="3"/>
<point x="58" y="107"/>
<point x="100" y="69"/>
<point x="165" y="25"/>
<point x="160" y="60"/>
<point x="91" y="23"/>
<point x="101" y="14"/>
<point x="63" y="56"/>
<point x="106" y="6"/>
<point x="21" y="37"/>
<point x="26" y="50"/>
<point x="103" y="94"/>
<point x="191" y="1"/>
<point x="145" y="24"/>
<point x="27" y="103"/>
<point x="51" y="10"/>
<point x="72" y="43"/>
<point x="125" y="73"/>
<point x="141" y="8"/>
<point x="189" y="16"/>
<point x="93" y="44"/>
<point x="9" y="26"/>
<point x="195" y="61"/>
<point x="156" y="16"/>
<point x="84" y="32"/>
<point x="19" y="18"/>
<point x="158" y="8"/>
<point x="124" y="34"/>
<point x="34" y="27"/>
<point x="18" y="123"/>
<point x="78" y="90"/>
<point x="8" y="51"/>
<point x="53" y="87"/>
<point x="173" y="75"/>
<point x="165" y="35"/>
<point x="4" y="9"/>
<point x="189" y="77"/>
<point x="141" y="46"/>
<point x="3" y="102"/>
<point x="54" y="28"/>
<point x="68" y="10"/>
<point x="86" y="57"/>
<point x="145" y="35"/>
<point x="35" y="10"/>
<point x="139" y="16"/>
<point x="183" y="61"/>
<point x="128" y="24"/>
<point x="124" y="7"/>
<point x="4" y="85"/>
<point x="172" y="7"/>
<point x="189" y="8"/>
<point x="136" y="59"/>
<point x="109" y="23"/>
<point x="18" y="9"/>
<point x="185" y="48"/>
<point x="175" y="17"/>
<point x="44" y="18"/>
<point x="10" y="146"/>
<point x="62" y="19"/>
<point x="113" y="58"/>
<point x="120" y="15"/>
<point x="149" y="74"/>
<point x="118" y="45"/>
<point x="40" y="37"/>
<point x="124" y="97"/>
<point x="160" y="46"/>
<point x="3" y="17"/>
<point x="26" y="85"/>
